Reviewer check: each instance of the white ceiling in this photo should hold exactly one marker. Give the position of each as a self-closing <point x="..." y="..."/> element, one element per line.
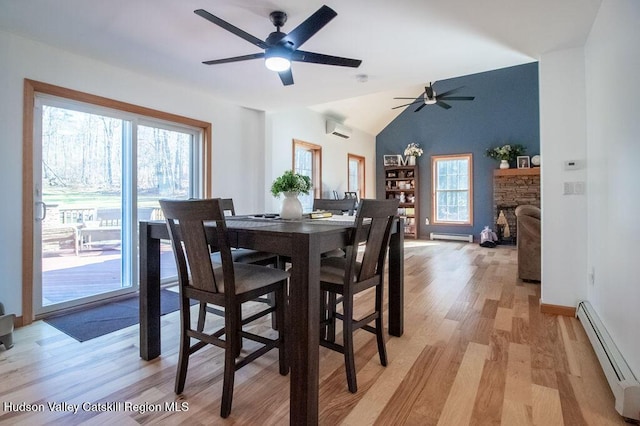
<point x="403" y="44"/>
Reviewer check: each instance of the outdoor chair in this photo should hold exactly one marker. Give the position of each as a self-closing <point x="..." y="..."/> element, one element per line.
<point x="226" y="285"/>
<point x="341" y="278"/>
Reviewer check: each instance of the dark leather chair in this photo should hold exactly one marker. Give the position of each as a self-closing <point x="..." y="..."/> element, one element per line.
<point x="226" y="285"/>
<point x="341" y="278"/>
<point x="528" y="242"/>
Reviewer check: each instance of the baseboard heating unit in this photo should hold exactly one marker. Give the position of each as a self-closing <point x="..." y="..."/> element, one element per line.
<point x="624" y="385"/>
<point x="453" y="237"/>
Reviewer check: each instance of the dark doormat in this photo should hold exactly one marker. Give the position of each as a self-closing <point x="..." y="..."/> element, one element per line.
<point x="87" y="324"/>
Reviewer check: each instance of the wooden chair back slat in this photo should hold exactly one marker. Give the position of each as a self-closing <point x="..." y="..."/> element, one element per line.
<point x="227" y="206"/>
<point x="373" y="226"/>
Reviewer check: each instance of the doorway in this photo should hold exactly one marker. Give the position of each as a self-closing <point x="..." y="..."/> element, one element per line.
<point x="96" y="172"/>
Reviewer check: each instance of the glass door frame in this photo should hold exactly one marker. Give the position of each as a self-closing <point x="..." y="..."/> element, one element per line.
<point x="31" y="88"/>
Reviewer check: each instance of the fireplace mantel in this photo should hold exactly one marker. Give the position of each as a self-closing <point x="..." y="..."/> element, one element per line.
<point x="517" y="172"/>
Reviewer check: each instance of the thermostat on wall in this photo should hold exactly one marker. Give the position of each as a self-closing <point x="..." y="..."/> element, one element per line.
<point x="571" y="165"/>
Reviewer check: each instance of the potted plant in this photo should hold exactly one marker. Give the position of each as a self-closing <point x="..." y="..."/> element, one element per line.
<point x="412" y="151"/>
<point x="505" y="154"/>
<point x="291" y="184"/>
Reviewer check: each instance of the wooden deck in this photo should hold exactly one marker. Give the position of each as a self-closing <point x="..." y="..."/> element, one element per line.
<point x="67" y="276"/>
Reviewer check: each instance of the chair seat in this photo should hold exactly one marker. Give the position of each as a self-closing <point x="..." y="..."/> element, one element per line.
<point x="332" y="270"/>
<point x="242" y="255"/>
<point x="250" y="277"/>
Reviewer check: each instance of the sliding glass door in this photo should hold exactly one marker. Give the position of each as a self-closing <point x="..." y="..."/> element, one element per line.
<point x="97" y="172"/>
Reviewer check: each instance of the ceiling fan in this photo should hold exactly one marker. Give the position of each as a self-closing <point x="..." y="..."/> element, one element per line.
<point x="429" y="97"/>
<point x="280" y="49"/>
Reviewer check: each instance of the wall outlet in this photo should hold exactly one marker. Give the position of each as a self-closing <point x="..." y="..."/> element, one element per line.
<point x="426" y="220"/>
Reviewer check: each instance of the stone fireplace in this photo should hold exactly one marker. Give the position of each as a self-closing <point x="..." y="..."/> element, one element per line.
<point x="511" y="188"/>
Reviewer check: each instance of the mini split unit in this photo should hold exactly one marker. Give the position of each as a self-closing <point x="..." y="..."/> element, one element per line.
<point x="334" y="128"/>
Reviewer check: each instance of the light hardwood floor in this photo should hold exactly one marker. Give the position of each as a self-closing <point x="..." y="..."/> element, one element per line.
<point x="476" y="350"/>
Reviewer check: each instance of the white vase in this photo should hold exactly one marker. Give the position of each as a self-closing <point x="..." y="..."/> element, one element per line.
<point x="504" y="164"/>
<point x="291" y="206"/>
<point x="411" y="160"/>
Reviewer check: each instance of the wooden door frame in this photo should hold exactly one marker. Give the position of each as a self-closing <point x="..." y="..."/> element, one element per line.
<point x="317" y="163"/>
<point x="361" y="178"/>
<point x="31" y="87"/>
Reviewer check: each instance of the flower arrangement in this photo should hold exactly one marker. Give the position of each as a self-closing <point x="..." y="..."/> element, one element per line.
<point x="413" y="149"/>
<point x="507" y="152"/>
<point x="291" y="182"/>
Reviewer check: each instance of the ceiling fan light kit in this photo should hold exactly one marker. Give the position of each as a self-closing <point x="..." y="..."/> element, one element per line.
<point x="280" y="49"/>
<point x="277" y="59"/>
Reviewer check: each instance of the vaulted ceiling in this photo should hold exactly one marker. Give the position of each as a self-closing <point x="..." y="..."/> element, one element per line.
<point x="403" y="45"/>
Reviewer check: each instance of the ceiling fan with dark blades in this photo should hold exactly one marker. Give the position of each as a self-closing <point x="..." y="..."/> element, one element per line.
<point x="430" y="97"/>
<point x="280" y="49"/>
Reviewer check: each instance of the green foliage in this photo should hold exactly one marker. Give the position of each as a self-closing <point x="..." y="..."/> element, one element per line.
<point x="291" y="182"/>
<point x="507" y="152"/>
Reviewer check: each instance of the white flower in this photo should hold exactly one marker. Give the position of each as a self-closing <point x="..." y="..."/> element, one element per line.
<point x="413" y="149"/>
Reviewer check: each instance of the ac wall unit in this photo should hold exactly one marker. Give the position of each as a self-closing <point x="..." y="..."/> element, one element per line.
<point x="623" y="383"/>
<point x="337" y="129"/>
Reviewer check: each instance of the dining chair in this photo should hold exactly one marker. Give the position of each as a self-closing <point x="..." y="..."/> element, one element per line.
<point x="227" y="285"/>
<point x="240" y="255"/>
<point x="341" y="278"/>
<point x="351" y="194"/>
<point x="346" y="205"/>
<point x="337" y="207"/>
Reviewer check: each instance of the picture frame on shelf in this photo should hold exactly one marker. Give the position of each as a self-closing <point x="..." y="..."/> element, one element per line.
<point x="392" y="160"/>
<point x="523" y="161"/>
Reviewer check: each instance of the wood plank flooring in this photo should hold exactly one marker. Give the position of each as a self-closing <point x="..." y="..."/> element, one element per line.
<point x="476" y="350"/>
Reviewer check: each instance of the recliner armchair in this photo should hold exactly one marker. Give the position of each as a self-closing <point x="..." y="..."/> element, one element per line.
<point x="6" y="328"/>
<point x="528" y="242"/>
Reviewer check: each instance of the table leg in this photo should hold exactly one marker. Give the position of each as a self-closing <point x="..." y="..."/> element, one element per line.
<point x="149" y="294"/>
<point x="396" y="281"/>
<point x="303" y="338"/>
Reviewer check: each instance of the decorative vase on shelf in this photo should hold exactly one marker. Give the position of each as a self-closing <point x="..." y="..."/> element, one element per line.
<point x="291" y="206"/>
<point x="504" y="164"/>
<point x="411" y="160"/>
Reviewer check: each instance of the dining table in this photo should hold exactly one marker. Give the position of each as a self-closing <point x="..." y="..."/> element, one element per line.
<point x="301" y="241"/>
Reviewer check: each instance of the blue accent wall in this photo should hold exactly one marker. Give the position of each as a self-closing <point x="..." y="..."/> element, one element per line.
<point x="505" y="110"/>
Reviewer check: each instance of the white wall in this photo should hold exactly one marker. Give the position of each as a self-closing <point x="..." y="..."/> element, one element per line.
<point x="239" y="150"/>
<point x="589" y="103"/>
<point x="613" y="115"/>
<point x="563" y="137"/>
<point x="309" y="126"/>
